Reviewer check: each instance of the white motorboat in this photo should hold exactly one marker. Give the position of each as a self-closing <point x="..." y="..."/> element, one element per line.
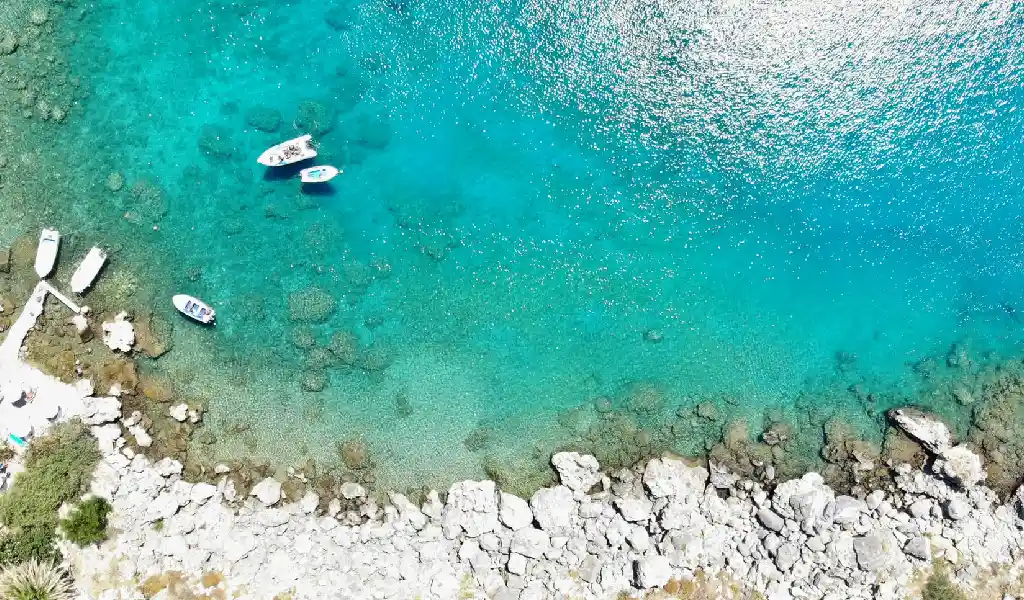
<point x="46" y="253"/>
<point x="194" y="308"/>
<point x="286" y="153"/>
<point x="87" y="271"/>
<point x="320" y="174"/>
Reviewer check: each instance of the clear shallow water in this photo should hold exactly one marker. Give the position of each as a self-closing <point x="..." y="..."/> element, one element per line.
<point x="528" y="188"/>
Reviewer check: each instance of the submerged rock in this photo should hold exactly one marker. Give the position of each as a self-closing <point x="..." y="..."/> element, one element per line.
<point x="314" y="380"/>
<point x="314" y="117"/>
<point x="263" y="118"/>
<point x="311" y="304"/>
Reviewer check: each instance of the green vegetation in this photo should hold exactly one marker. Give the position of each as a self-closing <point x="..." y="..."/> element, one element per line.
<point x="34" y="580"/>
<point x="58" y="469"/>
<point x="88" y="524"/>
<point x="158" y="525"/>
<point x="940" y="587"/>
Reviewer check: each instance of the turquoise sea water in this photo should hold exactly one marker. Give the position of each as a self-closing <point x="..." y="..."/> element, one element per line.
<point x="794" y="197"/>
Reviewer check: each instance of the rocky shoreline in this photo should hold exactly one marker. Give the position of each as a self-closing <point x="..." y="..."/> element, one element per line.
<point x="666" y="527"/>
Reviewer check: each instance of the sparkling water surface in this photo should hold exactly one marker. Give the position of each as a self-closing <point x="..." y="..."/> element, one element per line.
<point x="544" y="203"/>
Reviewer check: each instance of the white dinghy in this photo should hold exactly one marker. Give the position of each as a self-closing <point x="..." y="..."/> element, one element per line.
<point x="286" y="153"/>
<point x="320" y="174"/>
<point x="87" y="271"/>
<point x="46" y="253"/>
<point x="194" y="308"/>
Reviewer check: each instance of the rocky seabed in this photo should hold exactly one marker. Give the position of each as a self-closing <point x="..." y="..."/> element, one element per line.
<point x="593" y="536"/>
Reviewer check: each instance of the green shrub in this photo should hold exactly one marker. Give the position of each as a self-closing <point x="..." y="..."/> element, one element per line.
<point x="58" y="469"/>
<point x="28" y="542"/>
<point x="34" y="580"/>
<point x="940" y="587"/>
<point x="88" y="523"/>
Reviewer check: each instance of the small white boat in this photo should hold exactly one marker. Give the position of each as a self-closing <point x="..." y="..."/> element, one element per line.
<point x="286" y="153"/>
<point x="46" y="253"/>
<point x="87" y="271"/>
<point x="321" y="174"/>
<point x="193" y="308"/>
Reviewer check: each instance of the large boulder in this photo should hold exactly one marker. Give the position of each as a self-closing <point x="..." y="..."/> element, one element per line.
<point x="804" y="498"/>
<point x="961" y="465"/>
<point x="97" y="411"/>
<point x="929" y="431"/>
<point x="515" y="512"/>
<point x="471" y="508"/>
<point x="530" y="542"/>
<point x="555" y="509"/>
<point x="666" y="477"/>
<point x="267" y="491"/>
<point x="578" y="472"/>
<point x="119" y="333"/>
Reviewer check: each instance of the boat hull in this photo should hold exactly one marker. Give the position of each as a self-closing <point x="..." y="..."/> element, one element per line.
<point x="287" y="153"/>
<point x="46" y="253"/>
<point x="86" y="272"/>
<point x="194" y="308"/>
<point x="320" y="174"/>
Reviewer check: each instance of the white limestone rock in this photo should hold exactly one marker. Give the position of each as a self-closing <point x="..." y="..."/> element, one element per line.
<point x="651" y="572"/>
<point x="471" y="508"/>
<point x="771" y="520"/>
<point x="351" y="490"/>
<point x="578" y="472"/>
<point x="530" y="542"/>
<point x="201" y="492"/>
<point x="962" y="466"/>
<point x="848" y="509"/>
<point x="919" y="547"/>
<point x="267" y="491"/>
<point x="634" y="509"/>
<point x="168" y="466"/>
<point x="142" y="437"/>
<point x="179" y="412"/>
<point x="927" y="430"/>
<point x="309" y="503"/>
<point x="555" y="509"/>
<point x="108" y="437"/>
<point x="876" y="550"/>
<point x="665" y="477"/>
<point x="805" y="498"/>
<point x="98" y="411"/>
<point x="514" y="512"/>
<point x="119" y="335"/>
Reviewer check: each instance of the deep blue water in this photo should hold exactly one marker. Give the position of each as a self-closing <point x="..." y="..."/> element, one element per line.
<point x="530" y="187"/>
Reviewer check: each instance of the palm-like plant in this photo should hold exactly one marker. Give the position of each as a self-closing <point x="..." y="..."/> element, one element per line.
<point x="34" y="580"/>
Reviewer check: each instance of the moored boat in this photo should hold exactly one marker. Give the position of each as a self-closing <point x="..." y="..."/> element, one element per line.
<point x="87" y="271"/>
<point x="286" y="153"/>
<point x="194" y="308"/>
<point x="319" y="174"/>
<point x="46" y="253"/>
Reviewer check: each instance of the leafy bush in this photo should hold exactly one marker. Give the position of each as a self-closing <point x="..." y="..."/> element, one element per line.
<point x="939" y="586"/>
<point x="6" y="452"/>
<point x="32" y="542"/>
<point x="58" y="469"/>
<point x="88" y="524"/>
<point x="34" y="580"/>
